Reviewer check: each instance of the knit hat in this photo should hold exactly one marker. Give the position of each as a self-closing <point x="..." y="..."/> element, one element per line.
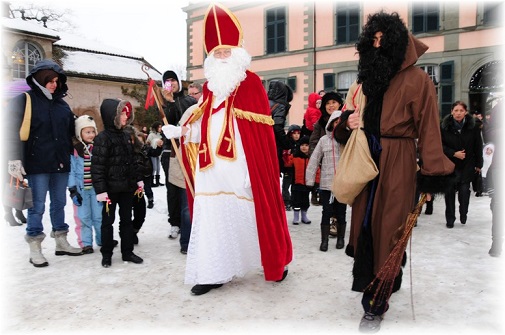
<point x="44" y="76"/>
<point x="294" y="127"/>
<point x="82" y="122"/>
<point x="304" y="140"/>
<point x="171" y="75"/>
<point x="331" y="96"/>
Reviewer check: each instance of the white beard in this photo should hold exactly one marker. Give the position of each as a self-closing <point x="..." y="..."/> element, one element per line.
<point x="223" y="75"/>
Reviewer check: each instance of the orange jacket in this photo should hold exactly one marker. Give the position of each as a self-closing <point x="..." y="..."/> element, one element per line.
<point x="300" y="166"/>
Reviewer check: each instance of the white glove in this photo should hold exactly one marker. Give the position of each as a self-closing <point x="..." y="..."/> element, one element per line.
<point x="140" y="184"/>
<point x="102" y="197"/>
<point x="16" y="169"/>
<point x="171" y="131"/>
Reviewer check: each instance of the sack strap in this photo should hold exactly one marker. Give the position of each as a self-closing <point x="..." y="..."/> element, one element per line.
<point x="274" y="107"/>
<point x="24" y="132"/>
<point x="354" y="95"/>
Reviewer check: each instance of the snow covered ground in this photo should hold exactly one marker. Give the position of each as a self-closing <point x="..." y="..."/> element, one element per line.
<point x="450" y="286"/>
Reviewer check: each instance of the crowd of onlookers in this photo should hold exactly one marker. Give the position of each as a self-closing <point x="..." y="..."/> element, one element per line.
<point x="308" y="158"/>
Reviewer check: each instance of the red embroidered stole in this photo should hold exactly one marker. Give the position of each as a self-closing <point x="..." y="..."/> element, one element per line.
<point x="226" y="148"/>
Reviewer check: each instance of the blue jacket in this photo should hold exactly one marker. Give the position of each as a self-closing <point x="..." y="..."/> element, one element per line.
<point x="49" y="145"/>
<point x="76" y="176"/>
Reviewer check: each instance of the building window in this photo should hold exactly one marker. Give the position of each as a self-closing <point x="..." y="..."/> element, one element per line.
<point x="291" y="82"/>
<point x="276" y="30"/>
<point x="329" y="81"/>
<point x="347" y="22"/>
<point x="24" y="56"/>
<point x="345" y="80"/>
<point x="425" y="17"/>
<point x="434" y="72"/>
<point x="492" y="11"/>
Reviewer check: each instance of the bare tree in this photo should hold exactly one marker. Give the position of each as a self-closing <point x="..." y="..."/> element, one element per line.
<point x="49" y="17"/>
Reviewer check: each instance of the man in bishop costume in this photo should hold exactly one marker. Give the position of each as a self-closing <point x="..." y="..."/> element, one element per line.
<point x="229" y="152"/>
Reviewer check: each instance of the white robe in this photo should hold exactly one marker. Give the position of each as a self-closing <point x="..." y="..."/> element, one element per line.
<point x="224" y="238"/>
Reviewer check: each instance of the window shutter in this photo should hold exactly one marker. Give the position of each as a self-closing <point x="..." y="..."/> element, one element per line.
<point x="446" y="93"/>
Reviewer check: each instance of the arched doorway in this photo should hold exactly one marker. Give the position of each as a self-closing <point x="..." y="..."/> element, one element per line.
<point x="486" y="87"/>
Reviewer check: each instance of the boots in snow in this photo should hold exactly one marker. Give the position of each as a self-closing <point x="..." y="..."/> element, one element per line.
<point x="36" y="258"/>
<point x="296" y="216"/>
<point x="20" y="216"/>
<point x="150" y="203"/>
<point x="158" y="181"/>
<point x="153" y="182"/>
<point x="305" y="219"/>
<point x="325" y="232"/>
<point x="62" y="245"/>
<point x="333" y="227"/>
<point x="340" y="235"/>
<point x="10" y="218"/>
<point x="429" y="207"/>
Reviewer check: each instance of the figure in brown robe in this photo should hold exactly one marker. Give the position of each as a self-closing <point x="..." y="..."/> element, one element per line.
<point x="401" y="106"/>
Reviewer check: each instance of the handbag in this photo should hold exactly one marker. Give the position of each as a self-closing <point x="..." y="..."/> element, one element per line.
<point x="17" y="196"/>
<point x="355" y="167"/>
<point x="477" y="183"/>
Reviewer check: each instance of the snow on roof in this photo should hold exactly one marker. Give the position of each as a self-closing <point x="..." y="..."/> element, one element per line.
<point x="89" y="57"/>
<point x="28" y="26"/>
<point x="89" y="63"/>
<point x="81" y="43"/>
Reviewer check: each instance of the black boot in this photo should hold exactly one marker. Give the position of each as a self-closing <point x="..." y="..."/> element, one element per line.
<point x="429" y="207"/>
<point x="325" y="233"/>
<point x="150" y="203"/>
<point x="158" y="181"/>
<point x="340" y="235"/>
<point x="154" y="183"/>
<point x="20" y="216"/>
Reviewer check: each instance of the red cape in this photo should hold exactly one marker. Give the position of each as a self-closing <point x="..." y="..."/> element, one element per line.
<point x="260" y="151"/>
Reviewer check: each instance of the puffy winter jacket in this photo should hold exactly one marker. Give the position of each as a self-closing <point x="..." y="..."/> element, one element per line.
<point x="49" y="145"/>
<point x="324" y="157"/>
<point x="312" y="113"/>
<point x="279" y="96"/>
<point x="113" y="168"/>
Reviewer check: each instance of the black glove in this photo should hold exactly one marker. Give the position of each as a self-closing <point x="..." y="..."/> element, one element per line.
<point x="75" y="196"/>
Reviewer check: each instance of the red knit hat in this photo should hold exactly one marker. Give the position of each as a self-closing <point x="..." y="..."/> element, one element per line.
<point x="221" y="29"/>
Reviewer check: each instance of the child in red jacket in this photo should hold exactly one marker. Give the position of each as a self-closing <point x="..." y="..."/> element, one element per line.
<point x="299" y="191"/>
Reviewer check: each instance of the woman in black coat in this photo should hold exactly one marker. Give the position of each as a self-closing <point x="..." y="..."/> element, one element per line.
<point x="462" y="143"/>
